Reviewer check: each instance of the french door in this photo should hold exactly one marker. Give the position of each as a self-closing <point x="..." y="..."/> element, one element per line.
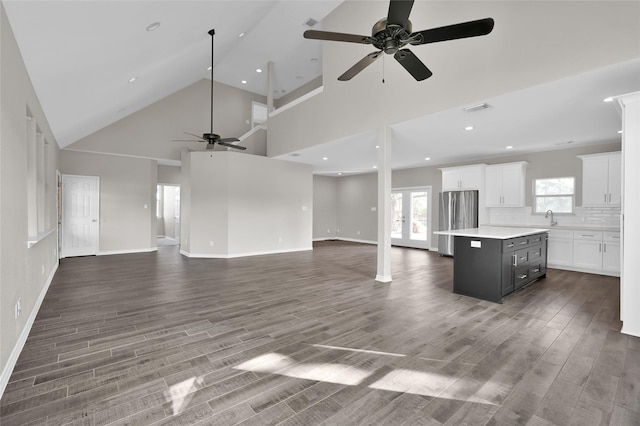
<point x="80" y="211"/>
<point x="411" y="211"/>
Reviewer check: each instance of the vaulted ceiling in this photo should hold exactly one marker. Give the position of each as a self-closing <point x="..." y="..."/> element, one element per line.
<point x="81" y="55"/>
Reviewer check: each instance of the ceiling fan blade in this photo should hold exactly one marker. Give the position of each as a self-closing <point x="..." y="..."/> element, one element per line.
<point x="200" y="138"/>
<point x="452" y="32"/>
<point x="411" y="63"/>
<point x="360" y="65"/>
<point x="186" y="140"/>
<point x="230" y="145"/>
<point x="331" y="36"/>
<point x="229" y="140"/>
<point x="399" y="11"/>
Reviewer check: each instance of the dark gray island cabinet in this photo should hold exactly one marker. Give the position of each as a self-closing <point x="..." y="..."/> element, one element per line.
<point x="490" y="262"/>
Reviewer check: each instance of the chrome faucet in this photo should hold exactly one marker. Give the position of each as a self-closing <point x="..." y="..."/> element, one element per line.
<point x="546" y="216"/>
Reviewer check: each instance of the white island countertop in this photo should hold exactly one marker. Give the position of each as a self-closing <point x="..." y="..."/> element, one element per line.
<point x="495" y="232"/>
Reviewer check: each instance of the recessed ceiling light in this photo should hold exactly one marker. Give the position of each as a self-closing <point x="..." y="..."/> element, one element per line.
<point x="258" y="70"/>
<point x="240" y="35"/>
<point x="339" y="173"/>
<point x="209" y="69"/>
<point x="427" y="158"/>
<point x="377" y="146"/>
<point x="244" y="81"/>
<point x="314" y="59"/>
<point x="619" y="132"/>
<point x="153" y="27"/>
<point x="299" y="77"/>
<point x="468" y="128"/>
<point x="132" y="79"/>
<point x="508" y="147"/>
<point x="375" y="167"/>
<point x="325" y="158"/>
<point x="609" y="99"/>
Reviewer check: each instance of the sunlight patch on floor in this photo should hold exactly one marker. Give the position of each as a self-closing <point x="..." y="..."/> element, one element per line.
<point x="283" y="365"/>
<point x="365" y="351"/>
<point x="180" y="393"/>
<point x="427" y="383"/>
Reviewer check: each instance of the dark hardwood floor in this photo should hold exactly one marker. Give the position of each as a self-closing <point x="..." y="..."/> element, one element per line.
<point x="309" y="338"/>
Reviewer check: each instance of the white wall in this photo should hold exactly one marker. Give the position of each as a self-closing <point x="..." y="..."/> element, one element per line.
<point x="149" y="132"/>
<point x="325" y="200"/>
<point x="127" y="185"/>
<point x="25" y="272"/>
<point x="630" y="284"/>
<point x="168" y="174"/>
<point x="245" y="205"/>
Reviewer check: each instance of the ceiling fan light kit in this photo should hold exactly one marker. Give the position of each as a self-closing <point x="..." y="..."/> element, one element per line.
<point x="211" y="138"/>
<point x="392" y="34"/>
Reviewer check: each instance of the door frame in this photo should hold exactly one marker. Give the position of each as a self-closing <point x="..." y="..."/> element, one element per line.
<point x="408" y="242"/>
<point x="62" y="253"/>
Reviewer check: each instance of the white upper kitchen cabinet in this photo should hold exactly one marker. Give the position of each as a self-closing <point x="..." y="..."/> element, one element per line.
<point x="462" y="178"/>
<point x="504" y="184"/>
<point x="601" y="179"/>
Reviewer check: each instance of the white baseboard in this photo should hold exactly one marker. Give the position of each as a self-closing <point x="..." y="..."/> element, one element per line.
<point x="353" y="240"/>
<point x="22" y="339"/>
<point x="585" y="270"/>
<point x="144" y="250"/>
<point x="246" y="254"/>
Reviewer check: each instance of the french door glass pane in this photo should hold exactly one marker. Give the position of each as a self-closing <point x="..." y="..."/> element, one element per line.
<point x="418" y="216"/>
<point x="398" y="219"/>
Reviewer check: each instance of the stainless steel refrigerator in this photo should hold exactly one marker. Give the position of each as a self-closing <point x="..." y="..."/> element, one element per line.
<point x="458" y="210"/>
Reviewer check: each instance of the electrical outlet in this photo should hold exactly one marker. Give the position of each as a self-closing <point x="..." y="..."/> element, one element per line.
<point x="18" y="309"/>
<point x="328" y="231"/>
<point x="211" y="243"/>
<point x="358" y="232"/>
<point x="43" y="269"/>
<point x="279" y="239"/>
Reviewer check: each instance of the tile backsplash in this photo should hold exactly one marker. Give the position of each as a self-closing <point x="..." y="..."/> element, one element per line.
<point x="608" y="217"/>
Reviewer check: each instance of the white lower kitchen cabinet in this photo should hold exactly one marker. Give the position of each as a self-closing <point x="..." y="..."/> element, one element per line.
<point x="587" y="254"/>
<point x="586" y="250"/>
<point x="611" y="252"/>
<point x="560" y="248"/>
<point x="597" y="251"/>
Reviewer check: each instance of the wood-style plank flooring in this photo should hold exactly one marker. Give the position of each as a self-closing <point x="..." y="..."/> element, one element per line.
<point x="309" y="338"/>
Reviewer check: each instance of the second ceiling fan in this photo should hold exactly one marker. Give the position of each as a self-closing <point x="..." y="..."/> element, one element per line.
<point x="212" y="138"/>
<point x="391" y="34"/>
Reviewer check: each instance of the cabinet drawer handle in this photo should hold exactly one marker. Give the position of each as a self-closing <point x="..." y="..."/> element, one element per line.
<point x="600" y="247"/>
<point x="515" y="260"/>
<point x="510" y="245"/>
<point x="536" y="270"/>
<point x="605" y="247"/>
<point x="522" y="277"/>
<point x="609" y="197"/>
<point x="523" y="258"/>
<point x="587" y="235"/>
<point x="605" y="198"/>
<point x="523" y="242"/>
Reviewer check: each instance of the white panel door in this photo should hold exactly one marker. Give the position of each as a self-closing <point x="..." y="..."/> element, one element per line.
<point x="80" y="214"/>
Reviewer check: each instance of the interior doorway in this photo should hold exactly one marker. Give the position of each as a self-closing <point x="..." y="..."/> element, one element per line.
<point x="80" y="215"/>
<point x="168" y="214"/>
<point x="411" y="211"/>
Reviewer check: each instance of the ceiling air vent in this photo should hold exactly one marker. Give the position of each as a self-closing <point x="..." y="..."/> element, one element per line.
<point x="310" y="23"/>
<point x="479" y="107"/>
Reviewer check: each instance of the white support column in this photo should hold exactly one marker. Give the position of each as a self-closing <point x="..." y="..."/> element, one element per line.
<point x="270" y="77"/>
<point x="384" y="205"/>
<point x="630" y="271"/>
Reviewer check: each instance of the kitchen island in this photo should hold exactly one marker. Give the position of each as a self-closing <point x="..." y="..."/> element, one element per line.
<point x="492" y="261"/>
